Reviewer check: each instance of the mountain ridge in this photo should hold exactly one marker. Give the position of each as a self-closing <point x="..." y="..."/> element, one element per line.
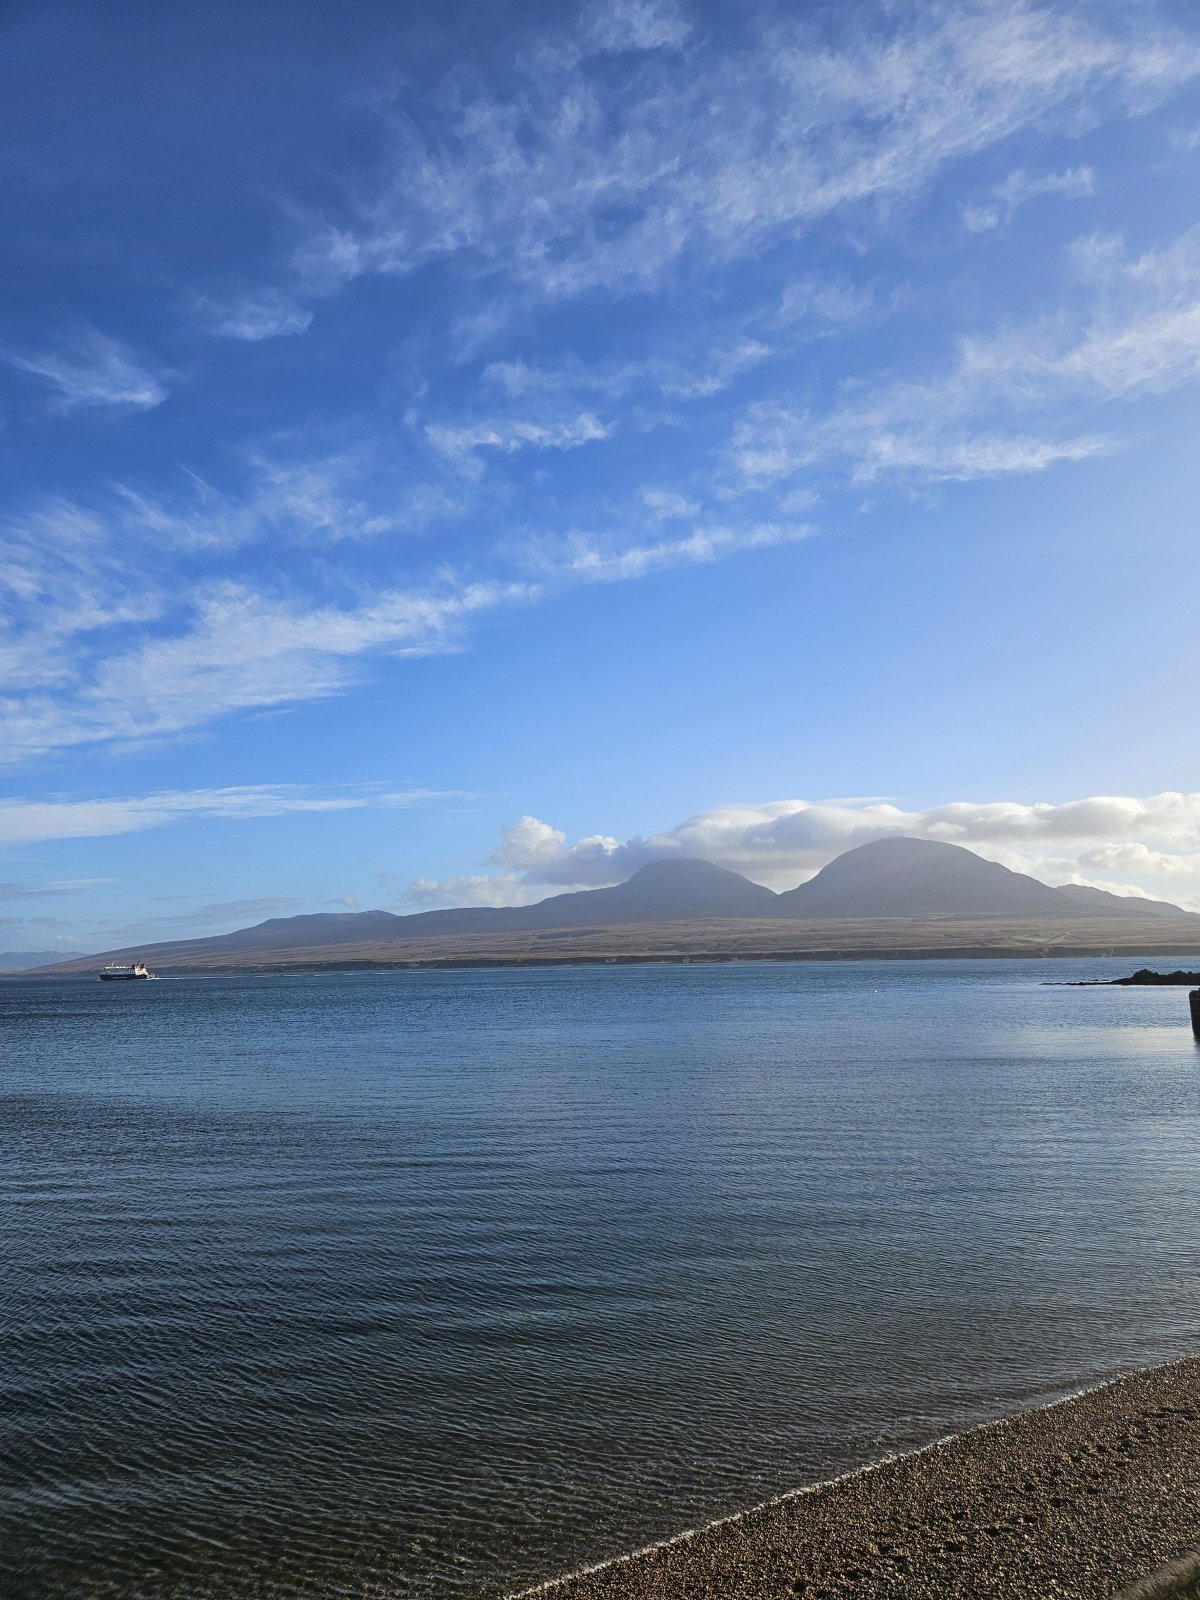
<point x="1125" y="905"/>
<point x="26" y="960"/>
<point x="887" y="880"/>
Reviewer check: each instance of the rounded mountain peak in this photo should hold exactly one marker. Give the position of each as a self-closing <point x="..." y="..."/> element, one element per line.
<point x="905" y="877"/>
<point x="683" y="869"/>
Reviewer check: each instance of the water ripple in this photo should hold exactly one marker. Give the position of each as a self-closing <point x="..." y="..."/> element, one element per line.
<point x="435" y="1284"/>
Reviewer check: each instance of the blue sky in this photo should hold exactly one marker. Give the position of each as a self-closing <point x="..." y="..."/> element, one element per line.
<point x="452" y="453"/>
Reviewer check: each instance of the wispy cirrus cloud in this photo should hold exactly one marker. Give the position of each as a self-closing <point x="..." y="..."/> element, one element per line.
<point x="242" y="650"/>
<point x="37" y="821"/>
<point x="266" y="313"/>
<point x="98" y="655"/>
<point x="592" y="559"/>
<point x="672" y="373"/>
<point x="93" y="651"/>
<point x="1136" y="332"/>
<point x="43" y="891"/>
<point x="93" y="371"/>
<point x="62" y="581"/>
<point x="997" y="208"/>
<point x="783" y="132"/>
<point x="463" y="442"/>
<point x="668" y="505"/>
<point x="311" y="500"/>
<point x="865" y="441"/>
<point x="824" y="306"/>
<point x="564" y="175"/>
<point x="623" y="25"/>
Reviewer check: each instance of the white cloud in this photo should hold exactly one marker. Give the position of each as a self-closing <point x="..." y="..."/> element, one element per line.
<point x="774" y="442"/>
<point x="677" y="373"/>
<point x="62" y="586"/>
<point x="823" y="305"/>
<point x="1139" y="334"/>
<point x="1138" y="858"/>
<point x="785" y="842"/>
<point x="462" y="442"/>
<point x="31" y="821"/>
<point x="666" y="505"/>
<point x="73" y="677"/>
<point x="614" y="25"/>
<point x="589" y="559"/>
<point x="243" y="650"/>
<point x="266" y="314"/>
<point x="1019" y="187"/>
<point x="561" y="189"/>
<point x="94" y="372"/>
<point x="528" y="845"/>
<point x="41" y="891"/>
<point x="314" y="500"/>
<point x="483" y="889"/>
<point x="722" y="368"/>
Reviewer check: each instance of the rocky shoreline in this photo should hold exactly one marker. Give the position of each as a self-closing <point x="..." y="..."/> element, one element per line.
<point x="1075" y="1501"/>
<point x="1143" y="978"/>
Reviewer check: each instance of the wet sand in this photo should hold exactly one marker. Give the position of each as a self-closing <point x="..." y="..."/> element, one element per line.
<point x="1081" y="1499"/>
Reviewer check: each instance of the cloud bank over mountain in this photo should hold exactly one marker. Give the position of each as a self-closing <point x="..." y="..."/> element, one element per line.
<point x="1109" y="842"/>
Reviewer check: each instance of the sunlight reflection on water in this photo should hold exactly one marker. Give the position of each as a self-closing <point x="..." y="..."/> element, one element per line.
<point x="440" y="1282"/>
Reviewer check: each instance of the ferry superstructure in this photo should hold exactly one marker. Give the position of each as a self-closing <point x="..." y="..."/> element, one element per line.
<point x="115" y="972"/>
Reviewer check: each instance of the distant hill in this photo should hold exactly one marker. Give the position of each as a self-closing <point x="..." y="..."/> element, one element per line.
<point x="661" y="891"/>
<point x="1128" y="905"/>
<point x="888" y="881"/>
<point x="23" y="960"/>
<point x="658" y="892"/>
<point x="920" y="878"/>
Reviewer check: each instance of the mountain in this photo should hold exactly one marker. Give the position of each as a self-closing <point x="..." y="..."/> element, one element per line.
<point x="291" y="933"/>
<point x="1105" y="903"/>
<point x="887" y="880"/>
<point x="658" y="892"/>
<point x="23" y="960"/>
<point x="920" y="878"/>
<point x="661" y="891"/>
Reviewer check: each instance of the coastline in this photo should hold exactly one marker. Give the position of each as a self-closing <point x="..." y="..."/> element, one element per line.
<point x="277" y="945"/>
<point x="296" y="963"/>
<point x="1080" y="1499"/>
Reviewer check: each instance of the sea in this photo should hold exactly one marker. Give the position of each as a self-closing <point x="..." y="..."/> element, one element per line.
<point x="443" y="1283"/>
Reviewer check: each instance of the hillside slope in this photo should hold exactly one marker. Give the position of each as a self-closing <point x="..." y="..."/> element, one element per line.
<point x="889" y="896"/>
<point x="920" y="878"/>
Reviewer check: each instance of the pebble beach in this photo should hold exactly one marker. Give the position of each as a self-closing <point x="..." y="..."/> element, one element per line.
<point x="1080" y="1500"/>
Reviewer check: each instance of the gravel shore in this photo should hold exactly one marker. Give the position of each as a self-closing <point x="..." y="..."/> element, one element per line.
<point x="1077" y="1500"/>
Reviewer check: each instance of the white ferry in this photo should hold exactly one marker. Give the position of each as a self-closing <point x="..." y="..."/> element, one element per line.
<point x="114" y="972"/>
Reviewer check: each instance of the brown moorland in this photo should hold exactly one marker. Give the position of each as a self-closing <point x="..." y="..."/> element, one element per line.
<point x="700" y="939"/>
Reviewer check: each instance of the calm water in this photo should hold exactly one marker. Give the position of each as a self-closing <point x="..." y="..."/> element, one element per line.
<point x="439" y="1283"/>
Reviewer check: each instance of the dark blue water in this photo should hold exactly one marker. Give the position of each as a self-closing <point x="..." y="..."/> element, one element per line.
<point x="439" y="1283"/>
